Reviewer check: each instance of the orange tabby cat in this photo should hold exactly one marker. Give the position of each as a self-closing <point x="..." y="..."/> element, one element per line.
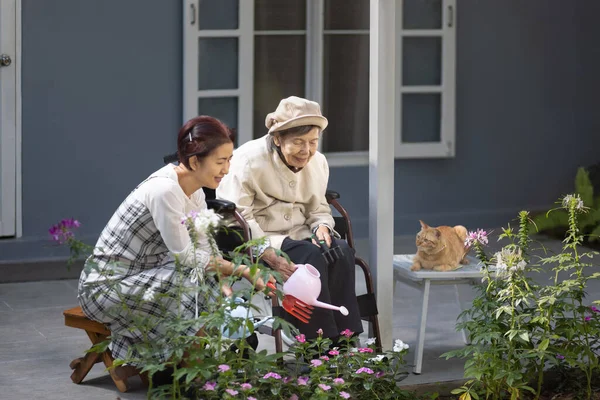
<point x="440" y="248"/>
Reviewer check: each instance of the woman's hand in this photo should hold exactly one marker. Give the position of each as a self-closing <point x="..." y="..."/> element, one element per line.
<point x="258" y="282"/>
<point x="323" y="234"/>
<point x="280" y="264"/>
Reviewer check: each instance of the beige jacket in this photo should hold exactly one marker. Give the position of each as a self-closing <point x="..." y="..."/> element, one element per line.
<point x="275" y="201"/>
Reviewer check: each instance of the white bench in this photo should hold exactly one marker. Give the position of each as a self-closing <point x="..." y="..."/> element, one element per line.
<point x="468" y="274"/>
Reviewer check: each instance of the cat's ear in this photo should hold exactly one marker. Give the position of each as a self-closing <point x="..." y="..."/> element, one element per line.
<point x="423" y="225"/>
<point x="438" y="233"/>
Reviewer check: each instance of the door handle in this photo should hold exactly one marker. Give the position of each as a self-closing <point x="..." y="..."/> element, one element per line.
<point x="5" y="60"/>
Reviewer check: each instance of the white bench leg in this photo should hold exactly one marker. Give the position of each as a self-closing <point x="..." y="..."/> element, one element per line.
<point x="422" y="325"/>
<point x="465" y="332"/>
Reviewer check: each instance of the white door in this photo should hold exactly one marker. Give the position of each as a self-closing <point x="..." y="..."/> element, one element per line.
<point x="9" y="115"/>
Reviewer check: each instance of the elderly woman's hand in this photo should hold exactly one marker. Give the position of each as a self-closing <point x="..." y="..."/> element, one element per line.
<point x="278" y="263"/>
<point x="323" y="234"/>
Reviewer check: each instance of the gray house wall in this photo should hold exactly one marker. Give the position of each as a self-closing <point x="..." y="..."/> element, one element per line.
<point x="102" y="103"/>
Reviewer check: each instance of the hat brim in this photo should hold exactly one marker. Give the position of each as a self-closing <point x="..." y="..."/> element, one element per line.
<point x="303" y="120"/>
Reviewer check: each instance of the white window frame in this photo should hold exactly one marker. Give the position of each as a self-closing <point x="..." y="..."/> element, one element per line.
<point x="314" y="74"/>
<point x="445" y="148"/>
<point x="10" y="120"/>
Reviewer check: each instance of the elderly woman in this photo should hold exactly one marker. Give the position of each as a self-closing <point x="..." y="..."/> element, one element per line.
<point x="278" y="183"/>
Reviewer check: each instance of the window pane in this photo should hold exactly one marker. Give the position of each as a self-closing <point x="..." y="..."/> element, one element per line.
<point x="277" y="15"/>
<point x="422" y="14"/>
<point x="277" y="74"/>
<point x="421" y="61"/>
<point x="218" y="14"/>
<point x="222" y="108"/>
<point x="421" y="116"/>
<point x="346" y="92"/>
<point x="217" y="63"/>
<point x="344" y="14"/>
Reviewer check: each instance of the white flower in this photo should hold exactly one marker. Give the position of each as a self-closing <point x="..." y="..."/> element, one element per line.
<point x="148" y="295"/>
<point x="370" y="341"/>
<point x="205" y="220"/>
<point x="354" y="350"/>
<point x="378" y="358"/>
<point x="399" y="345"/>
<point x="568" y="199"/>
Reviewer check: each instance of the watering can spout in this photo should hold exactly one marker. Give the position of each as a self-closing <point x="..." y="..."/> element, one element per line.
<point x="341" y="309"/>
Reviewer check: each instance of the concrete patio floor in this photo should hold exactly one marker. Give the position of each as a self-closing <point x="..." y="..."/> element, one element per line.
<point x="36" y="348"/>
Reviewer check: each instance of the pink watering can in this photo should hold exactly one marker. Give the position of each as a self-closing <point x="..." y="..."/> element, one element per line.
<point x="301" y="291"/>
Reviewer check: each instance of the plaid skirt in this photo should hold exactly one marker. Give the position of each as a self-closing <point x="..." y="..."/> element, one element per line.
<point x="132" y="284"/>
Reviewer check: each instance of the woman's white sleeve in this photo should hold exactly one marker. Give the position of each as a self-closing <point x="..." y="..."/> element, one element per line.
<point x="167" y="210"/>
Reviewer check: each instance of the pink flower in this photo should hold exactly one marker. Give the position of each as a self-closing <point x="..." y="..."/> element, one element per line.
<point x="316" y="363"/>
<point x="338" y="381"/>
<point x="231" y="392"/>
<point x="347" y="332"/>
<point x="364" y="370"/>
<point x="209" y="386"/>
<point x="560" y="357"/>
<point x="587" y="318"/>
<point x="345" y="395"/>
<point x="62" y="232"/>
<point x="324" y="386"/>
<point x="224" y="367"/>
<point x="301" y="338"/>
<point x="595" y="309"/>
<point x="480" y="236"/>
<point x="365" y="350"/>
<point x="320" y="332"/>
<point x="272" y="375"/>
<point x="246" y="386"/>
<point x="287" y="379"/>
<point x="251" y="398"/>
<point x="302" y="381"/>
<point x="379" y="374"/>
<point x="294" y="397"/>
<point x="324" y="358"/>
<point x="334" y="353"/>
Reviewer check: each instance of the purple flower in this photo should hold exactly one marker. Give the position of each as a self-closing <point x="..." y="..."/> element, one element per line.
<point x="345" y="395"/>
<point x="347" y="332"/>
<point x="246" y="386"/>
<point x="251" y="398"/>
<point x="209" y="386"/>
<point x="324" y="386"/>
<point x="224" y="367"/>
<point x="364" y="370"/>
<point x="587" y="318"/>
<point x="301" y="338"/>
<point x="320" y="332"/>
<point x="324" y="358"/>
<point x="338" y="381"/>
<point x="61" y="232"/>
<point x="294" y="397"/>
<point x="316" y="363"/>
<point x="333" y="352"/>
<point x="365" y="350"/>
<point x="231" y="392"/>
<point x="287" y="379"/>
<point x="302" y="381"/>
<point x="379" y="374"/>
<point x="560" y="357"/>
<point x="480" y="236"/>
<point x="595" y="309"/>
<point x="272" y="375"/>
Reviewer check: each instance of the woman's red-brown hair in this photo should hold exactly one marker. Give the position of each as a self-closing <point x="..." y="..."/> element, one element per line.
<point x="200" y="136"/>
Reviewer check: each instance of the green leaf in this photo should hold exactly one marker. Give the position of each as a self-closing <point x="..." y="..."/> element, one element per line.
<point x="544" y="344"/>
<point x="524" y="336"/>
<point x="583" y="187"/>
<point x="459" y="390"/>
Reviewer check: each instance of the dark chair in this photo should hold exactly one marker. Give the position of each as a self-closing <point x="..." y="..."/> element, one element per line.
<point x="343" y="225"/>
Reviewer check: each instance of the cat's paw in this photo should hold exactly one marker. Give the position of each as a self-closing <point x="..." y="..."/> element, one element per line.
<point x="415" y="267"/>
<point x="465" y="261"/>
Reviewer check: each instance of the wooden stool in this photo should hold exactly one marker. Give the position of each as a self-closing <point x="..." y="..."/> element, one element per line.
<point x="97" y="332"/>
